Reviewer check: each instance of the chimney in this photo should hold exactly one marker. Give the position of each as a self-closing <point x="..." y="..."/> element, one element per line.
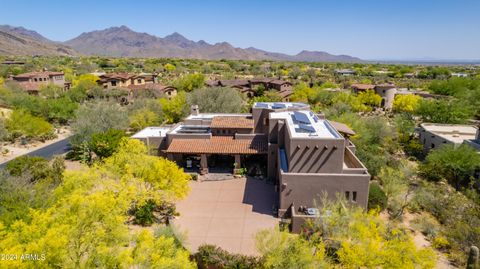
<point x="194" y="110"/>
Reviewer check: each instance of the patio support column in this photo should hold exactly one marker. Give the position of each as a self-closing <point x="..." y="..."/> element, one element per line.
<point x="203" y="164"/>
<point x="238" y="164"/>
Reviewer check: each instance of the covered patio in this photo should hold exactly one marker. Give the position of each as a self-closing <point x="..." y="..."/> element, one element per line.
<point x="218" y="153"/>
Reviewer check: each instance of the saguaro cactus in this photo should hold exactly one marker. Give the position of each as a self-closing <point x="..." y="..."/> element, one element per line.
<point x="473" y="258"/>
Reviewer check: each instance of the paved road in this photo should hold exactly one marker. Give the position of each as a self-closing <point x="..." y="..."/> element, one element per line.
<point x="47" y="152"/>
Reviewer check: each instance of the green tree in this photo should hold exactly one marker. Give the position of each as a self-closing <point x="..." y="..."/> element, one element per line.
<point x="106" y="143"/>
<point x="143" y="118"/>
<point x="174" y="109"/>
<point x="406" y="102"/>
<point x="444" y="111"/>
<point x="97" y="117"/>
<point x="282" y="250"/>
<point x="216" y="100"/>
<point x="190" y="82"/>
<point x="22" y="123"/>
<point x="457" y="165"/>
<point x="370" y="98"/>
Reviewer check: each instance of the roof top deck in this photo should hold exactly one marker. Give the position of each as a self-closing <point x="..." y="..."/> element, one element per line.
<point x="305" y="123"/>
<point x="152" y="132"/>
<point x="279" y="105"/>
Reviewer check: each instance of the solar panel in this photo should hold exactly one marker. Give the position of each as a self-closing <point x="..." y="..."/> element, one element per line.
<point x="306" y="127"/>
<point x="301" y="117"/>
<point x="279" y="105"/>
<point x="315" y="118"/>
<point x="262" y="105"/>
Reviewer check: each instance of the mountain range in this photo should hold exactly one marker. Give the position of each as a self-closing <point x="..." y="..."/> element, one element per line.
<point x="124" y="42"/>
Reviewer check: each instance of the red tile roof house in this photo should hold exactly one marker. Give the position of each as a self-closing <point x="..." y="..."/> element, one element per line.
<point x="246" y="86"/>
<point x="303" y="154"/>
<point x="135" y="84"/>
<point x="34" y="81"/>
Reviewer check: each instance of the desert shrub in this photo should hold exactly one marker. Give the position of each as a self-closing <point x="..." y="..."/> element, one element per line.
<point x="144" y="214"/>
<point x="169" y="231"/>
<point x="427" y="225"/>
<point x="106" y="143"/>
<point x="441" y="243"/>
<point x="377" y="199"/>
<point x="210" y="256"/>
<point x="459" y="216"/>
<point x="22" y="123"/>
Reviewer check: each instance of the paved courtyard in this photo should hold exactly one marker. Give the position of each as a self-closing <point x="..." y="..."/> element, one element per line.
<point x="226" y="213"/>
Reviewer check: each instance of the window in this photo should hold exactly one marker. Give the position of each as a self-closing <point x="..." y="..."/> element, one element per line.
<point x="114" y="83"/>
<point x="354" y="196"/>
<point x="347" y="195"/>
<point x="35" y="79"/>
<point x="139" y="80"/>
<point x="433" y="145"/>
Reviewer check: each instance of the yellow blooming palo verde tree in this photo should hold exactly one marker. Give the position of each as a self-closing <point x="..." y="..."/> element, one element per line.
<point x="86" y="225"/>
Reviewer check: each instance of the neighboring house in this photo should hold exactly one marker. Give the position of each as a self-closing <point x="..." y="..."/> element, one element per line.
<point x="345" y="72"/>
<point x="386" y="91"/>
<point x="303" y="154"/>
<point x="434" y="135"/>
<point x="460" y="75"/>
<point x="136" y="84"/>
<point x="12" y="62"/>
<point x="118" y="80"/>
<point x="247" y="86"/>
<point x="34" y="81"/>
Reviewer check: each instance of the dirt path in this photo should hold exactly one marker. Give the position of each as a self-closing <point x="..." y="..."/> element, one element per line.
<point x="421" y="242"/>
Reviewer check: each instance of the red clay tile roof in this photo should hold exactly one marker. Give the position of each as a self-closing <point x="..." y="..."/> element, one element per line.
<point x="240" y="122"/>
<point x="219" y="145"/>
<point x="39" y="74"/>
<point x="360" y="86"/>
<point x="342" y="128"/>
<point x="151" y="86"/>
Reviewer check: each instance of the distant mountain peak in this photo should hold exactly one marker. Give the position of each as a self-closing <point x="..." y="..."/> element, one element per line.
<point x="124" y="42"/>
<point x="175" y="36"/>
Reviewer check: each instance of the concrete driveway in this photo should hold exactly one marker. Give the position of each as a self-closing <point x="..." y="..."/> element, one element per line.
<point x="226" y="213"/>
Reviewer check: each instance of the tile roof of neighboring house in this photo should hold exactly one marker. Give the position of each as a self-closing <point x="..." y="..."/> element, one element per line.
<point x="31" y="86"/>
<point x="285" y="93"/>
<point x="385" y="86"/>
<point x="123" y="76"/>
<point x="219" y="145"/>
<point x="342" y="128"/>
<point x="38" y="74"/>
<point x="232" y="122"/>
<point x="279" y="82"/>
<point x="360" y="86"/>
<point x="151" y="86"/>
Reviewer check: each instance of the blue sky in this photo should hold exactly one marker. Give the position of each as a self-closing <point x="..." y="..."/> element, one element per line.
<point x="388" y="29"/>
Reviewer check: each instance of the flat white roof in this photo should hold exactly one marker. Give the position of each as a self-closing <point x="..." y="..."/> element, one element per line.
<point x="305" y="123"/>
<point x="278" y="105"/>
<point x="152" y="132"/>
<point x="210" y="116"/>
<point x="456" y="133"/>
